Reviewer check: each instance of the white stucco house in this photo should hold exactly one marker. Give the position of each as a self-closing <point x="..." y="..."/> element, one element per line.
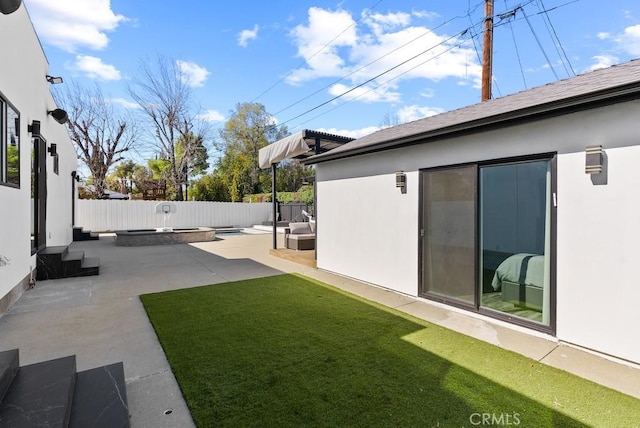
<point x="524" y="209"/>
<point x="37" y="158"/>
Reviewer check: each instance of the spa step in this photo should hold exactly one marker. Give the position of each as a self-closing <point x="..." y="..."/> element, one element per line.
<point x="53" y="394"/>
<point x="59" y="262"/>
<point x="9" y="363"/>
<point x="100" y="398"/>
<point x="40" y="395"/>
<point x="79" y="234"/>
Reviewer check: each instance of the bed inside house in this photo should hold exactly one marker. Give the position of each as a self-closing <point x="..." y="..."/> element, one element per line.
<point x="516" y="285"/>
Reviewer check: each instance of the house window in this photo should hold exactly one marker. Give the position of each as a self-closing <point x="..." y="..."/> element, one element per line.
<point x="9" y="144"/>
<point x="487" y="239"/>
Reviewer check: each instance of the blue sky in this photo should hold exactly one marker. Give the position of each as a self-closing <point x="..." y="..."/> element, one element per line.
<point x="305" y="60"/>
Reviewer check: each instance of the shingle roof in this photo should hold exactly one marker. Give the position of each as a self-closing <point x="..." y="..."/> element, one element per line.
<point x="575" y="93"/>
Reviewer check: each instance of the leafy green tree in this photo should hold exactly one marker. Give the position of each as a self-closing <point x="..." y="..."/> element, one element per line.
<point x="124" y="174"/>
<point x="291" y="174"/>
<point x="249" y="129"/>
<point x="210" y="187"/>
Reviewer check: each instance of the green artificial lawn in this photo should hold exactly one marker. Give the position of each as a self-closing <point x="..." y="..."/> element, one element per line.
<point x="290" y="351"/>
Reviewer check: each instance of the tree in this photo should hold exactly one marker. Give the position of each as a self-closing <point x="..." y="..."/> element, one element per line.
<point x="210" y="187"/>
<point x="291" y="174"/>
<point x="164" y="95"/>
<point x="101" y="135"/>
<point x="124" y="173"/>
<point x="249" y="129"/>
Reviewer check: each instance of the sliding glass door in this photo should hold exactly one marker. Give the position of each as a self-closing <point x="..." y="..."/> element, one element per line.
<point x="515" y="238"/>
<point x="448" y="256"/>
<point x="487" y="238"/>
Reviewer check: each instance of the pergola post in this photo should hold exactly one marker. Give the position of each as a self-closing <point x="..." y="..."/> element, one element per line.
<point x="274" y="202"/>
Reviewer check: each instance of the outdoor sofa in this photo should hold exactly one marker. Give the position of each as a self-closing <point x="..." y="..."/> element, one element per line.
<point x="300" y="236"/>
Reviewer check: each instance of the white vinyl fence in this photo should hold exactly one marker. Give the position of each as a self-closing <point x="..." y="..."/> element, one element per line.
<point x="110" y="215"/>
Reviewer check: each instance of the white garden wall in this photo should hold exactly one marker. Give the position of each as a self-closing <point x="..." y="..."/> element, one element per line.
<point x="110" y="215"/>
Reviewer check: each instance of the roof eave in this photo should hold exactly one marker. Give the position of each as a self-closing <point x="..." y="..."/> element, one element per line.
<point x="562" y="106"/>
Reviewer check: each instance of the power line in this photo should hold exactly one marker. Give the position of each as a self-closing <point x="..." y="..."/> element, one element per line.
<point x="383" y="83"/>
<point x="429" y="31"/>
<point x="559" y="43"/>
<point x="462" y="33"/>
<point x="539" y="44"/>
<point x="315" y="53"/>
<point x="509" y="15"/>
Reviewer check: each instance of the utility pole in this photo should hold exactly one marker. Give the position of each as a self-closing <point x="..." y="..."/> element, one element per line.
<point x="487" y="51"/>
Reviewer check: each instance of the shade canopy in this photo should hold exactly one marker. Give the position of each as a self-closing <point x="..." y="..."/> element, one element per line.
<point x="300" y="145"/>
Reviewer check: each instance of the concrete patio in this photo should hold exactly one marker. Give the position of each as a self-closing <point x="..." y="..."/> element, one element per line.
<point x="100" y="319"/>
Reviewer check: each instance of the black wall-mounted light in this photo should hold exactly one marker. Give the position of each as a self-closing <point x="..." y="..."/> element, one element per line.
<point x="34" y="128"/>
<point x="59" y="115"/>
<point x="54" y="80"/>
<point x="53" y="149"/>
<point x="9" y="6"/>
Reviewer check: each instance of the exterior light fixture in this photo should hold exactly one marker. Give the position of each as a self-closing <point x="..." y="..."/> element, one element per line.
<point x="53" y="149"/>
<point x="9" y="6"/>
<point x="59" y="115"/>
<point x="401" y="180"/>
<point x="594" y="159"/>
<point x="54" y="80"/>
<point x="34" y="128"/>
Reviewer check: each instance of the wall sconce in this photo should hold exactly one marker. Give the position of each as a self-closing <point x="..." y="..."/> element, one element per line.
<point x="75" y="176"/>
<point x="59" y="115"/>
<point x="593" y="159"/>
<point x="9" y="6"/>
<point x="53" y="149"/>
<point x="54" y="80"/>
<point x="34" y="128"/>
<point x="401" y="180"/>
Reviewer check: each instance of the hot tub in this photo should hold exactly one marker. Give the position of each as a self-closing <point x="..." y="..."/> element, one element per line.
<point x="163" y="236"/>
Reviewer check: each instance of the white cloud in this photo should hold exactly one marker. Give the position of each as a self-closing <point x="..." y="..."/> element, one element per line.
<point x="212" y="116"/>
<point x="192" y="74"/>
<point x="71" y="24"/>
<point x="94" y="68"/>
<point x="603" y="61"/>
<point x="603" y="35"/>
<point x="246" y="35"/>
<point x="629" y="40"/>
<point x="415" y="112"/>
<point x="373" y="47"/>
<point x="124" y="103"/>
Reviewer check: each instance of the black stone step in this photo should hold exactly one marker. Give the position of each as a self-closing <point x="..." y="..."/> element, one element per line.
<point x="72" y="263"/>
<point x="100" y="398"/>
<point x="79" y="234"/>
<point x="40" y="395"/>
<point x="90" y="266"/>
<point x="9" y="364"/>
<point x="49" y="262"/>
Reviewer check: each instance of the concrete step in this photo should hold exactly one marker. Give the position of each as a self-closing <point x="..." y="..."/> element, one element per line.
<point x="9" y="364"/>
<point x="40" y="395"/>
<point x="100" y="399"/>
